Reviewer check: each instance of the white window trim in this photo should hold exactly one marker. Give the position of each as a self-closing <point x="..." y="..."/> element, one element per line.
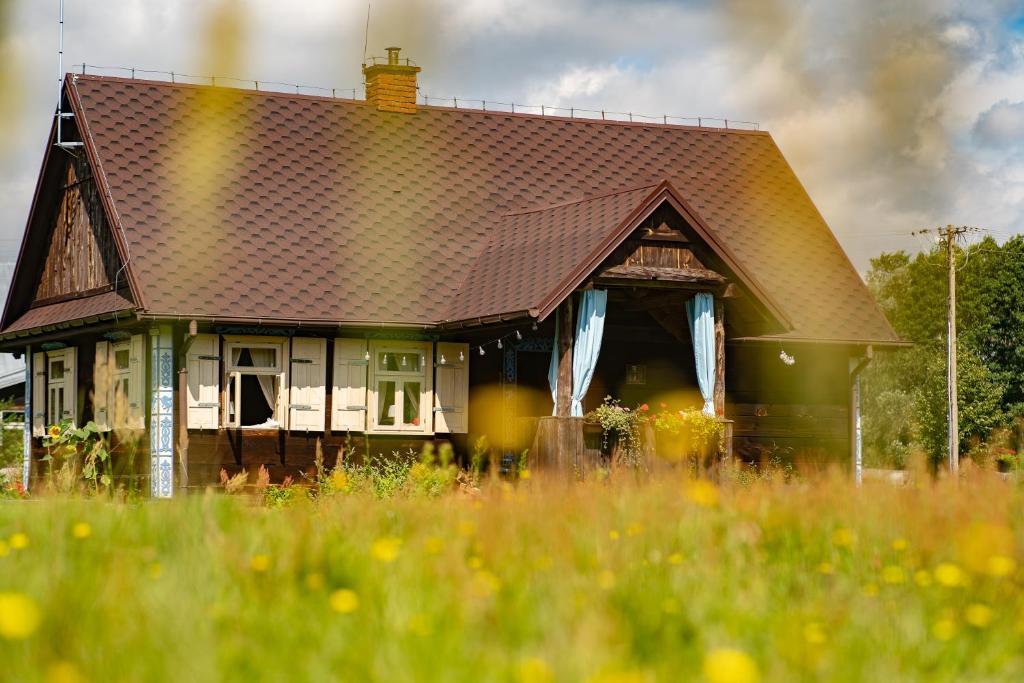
<point x="68" y="382"/>
<point x="232" y="375"/>
<point x="425" y="377"/>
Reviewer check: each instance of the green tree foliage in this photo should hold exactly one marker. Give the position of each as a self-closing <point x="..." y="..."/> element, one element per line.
<point x="905" y="392"/>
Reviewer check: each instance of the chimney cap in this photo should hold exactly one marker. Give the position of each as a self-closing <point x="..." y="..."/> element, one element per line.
<point x="393" y="55"/>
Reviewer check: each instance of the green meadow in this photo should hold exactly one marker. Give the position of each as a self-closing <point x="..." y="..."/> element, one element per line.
<point x="671" y="580"/>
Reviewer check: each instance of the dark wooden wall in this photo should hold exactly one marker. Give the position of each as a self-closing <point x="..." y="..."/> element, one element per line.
<point x="81" y="255"/>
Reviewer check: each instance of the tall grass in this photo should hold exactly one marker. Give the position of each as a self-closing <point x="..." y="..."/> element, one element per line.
<point x="670" y="580"/>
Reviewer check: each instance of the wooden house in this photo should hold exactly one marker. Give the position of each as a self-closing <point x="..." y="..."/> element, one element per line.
<point x="231" y="277"/>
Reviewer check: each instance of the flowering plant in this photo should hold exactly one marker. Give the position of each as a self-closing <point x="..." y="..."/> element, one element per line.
<point x="625" y="423"/>
<point x="698" y="428"/>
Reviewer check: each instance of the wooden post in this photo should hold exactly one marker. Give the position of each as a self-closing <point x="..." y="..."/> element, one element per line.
<point x="182" y="406"/>
<point x="566" y="332"/>
<point x="567" y="443"/>
<point x="719" y="357"/>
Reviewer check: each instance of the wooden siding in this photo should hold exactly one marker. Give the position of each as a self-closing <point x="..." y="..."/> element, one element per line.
<point x="81" y="255"/>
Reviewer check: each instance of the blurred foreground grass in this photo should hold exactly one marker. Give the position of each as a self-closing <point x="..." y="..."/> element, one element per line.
<point x="668" y="581"/>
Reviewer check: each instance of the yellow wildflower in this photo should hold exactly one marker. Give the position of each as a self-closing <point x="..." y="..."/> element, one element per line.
<point x="814" y="634"/>
<point x="634" y="529"/>
<point x="259" y="563"/>
<point x="979" y="542"/>
<point x="899" y="545"/>
<point x="18" y="541"/>
<point x="843" y="538"/>
<point x="19" y="616"/>
<point x="702" y="492"/>
<point x="944" y="629"/>
<point x="728" y="665"/>
<point x="419" y="624"/>
<point x="54" y="431"/>
<point x="64" y="672"/>
<point x="613" y="535"/>
<point x="675" y="558"/>
<point x="1001" y="566"/>
<point x="485" y="583"/>
<point x="344" y="601"/>
<point x="535" y="670"/>
<point x="81" y="530"/>
<point x="386" y="549"/>
<point x="978" y="615"/>
<point x="894" y="575"/>
<point x="433" y="545"/>
<point x="524" y="474"/>
<point x="950" y="575"/>
<point x="339" y="481"/>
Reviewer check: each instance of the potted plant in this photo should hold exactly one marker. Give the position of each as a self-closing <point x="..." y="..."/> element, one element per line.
<point x="620" y="428"/>
<point x="686" y="433"/>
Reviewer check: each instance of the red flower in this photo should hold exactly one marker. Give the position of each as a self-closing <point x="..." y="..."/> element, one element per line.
<point x="416" y="421"/>
<point x="645" y="407"/>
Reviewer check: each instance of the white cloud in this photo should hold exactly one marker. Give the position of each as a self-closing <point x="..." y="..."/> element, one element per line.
<point x="1001" y="125"/>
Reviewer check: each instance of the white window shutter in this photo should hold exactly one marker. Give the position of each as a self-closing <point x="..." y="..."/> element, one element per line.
<point x="348" y="393"/>
<point x="137" y="382"/>
<point x="39" y="391"/>
<point x="308" y="395"/>
<point x="101" y="387"/>
<point x="70" y="386"/>
<point x="203" y="365"/>
<point x="451" y="388"/>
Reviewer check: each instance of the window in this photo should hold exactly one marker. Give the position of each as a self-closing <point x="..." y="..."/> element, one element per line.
<point x="255" y="376"/>
<point x="119" y="378"/>
<point x="400" y="387"/>
<point x="54" y="388"/>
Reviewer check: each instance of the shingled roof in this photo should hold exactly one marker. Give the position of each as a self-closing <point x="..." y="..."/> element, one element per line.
<point x="245" y="205"/>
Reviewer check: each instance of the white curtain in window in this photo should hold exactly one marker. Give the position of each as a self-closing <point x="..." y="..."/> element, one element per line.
<point x="262" y="358"/>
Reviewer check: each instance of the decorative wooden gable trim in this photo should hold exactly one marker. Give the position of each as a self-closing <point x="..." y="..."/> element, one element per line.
<point x="81" y="255"/>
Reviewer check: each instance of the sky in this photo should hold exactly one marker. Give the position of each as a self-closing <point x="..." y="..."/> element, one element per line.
<point x="897" y="115"/>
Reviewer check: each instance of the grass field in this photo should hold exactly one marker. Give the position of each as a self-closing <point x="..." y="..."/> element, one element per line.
<point x="667" y="581"/>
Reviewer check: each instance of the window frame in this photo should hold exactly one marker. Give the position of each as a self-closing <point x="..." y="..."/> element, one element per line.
<point x="424" y="376"/>
<point x="231" y="377"/>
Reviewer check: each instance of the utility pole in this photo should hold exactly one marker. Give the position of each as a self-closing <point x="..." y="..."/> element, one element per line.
<point x="951" y="233"/>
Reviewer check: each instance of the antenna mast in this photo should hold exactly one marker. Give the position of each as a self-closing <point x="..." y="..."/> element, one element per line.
<point x="60" y="87"/>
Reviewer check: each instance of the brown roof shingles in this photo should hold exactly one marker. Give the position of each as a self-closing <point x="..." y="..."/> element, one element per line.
<point x="73" y="309"/>
<point x="279" y="206"/>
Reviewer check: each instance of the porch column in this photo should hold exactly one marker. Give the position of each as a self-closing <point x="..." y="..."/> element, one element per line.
<point x="26" y="456"/>
<point x="161" y="413"/>
<point x="719" y="357"/>
<point x="566" y="332"/>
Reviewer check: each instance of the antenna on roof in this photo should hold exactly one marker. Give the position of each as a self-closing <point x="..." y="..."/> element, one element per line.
<point x="366" y="33"/>
<point x="60" y="87"/>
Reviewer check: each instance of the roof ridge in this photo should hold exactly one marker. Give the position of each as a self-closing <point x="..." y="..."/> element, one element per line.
<point x="707" y="130"/>
<point x="588" y="198"/>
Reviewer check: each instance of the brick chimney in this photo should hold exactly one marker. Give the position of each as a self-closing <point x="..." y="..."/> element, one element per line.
<point x="392" y="86"/>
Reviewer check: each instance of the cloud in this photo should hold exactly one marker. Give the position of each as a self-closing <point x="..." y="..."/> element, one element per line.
<point x="1001" y="125"/>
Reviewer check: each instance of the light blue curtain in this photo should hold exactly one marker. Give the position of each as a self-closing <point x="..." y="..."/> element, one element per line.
<point x="586" y="348"/>
<point x="553" y="368"/>
<point x="700" y="312"/>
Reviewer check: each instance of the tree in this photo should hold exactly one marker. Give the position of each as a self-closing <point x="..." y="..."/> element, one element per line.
<point x="904" y="391"/>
